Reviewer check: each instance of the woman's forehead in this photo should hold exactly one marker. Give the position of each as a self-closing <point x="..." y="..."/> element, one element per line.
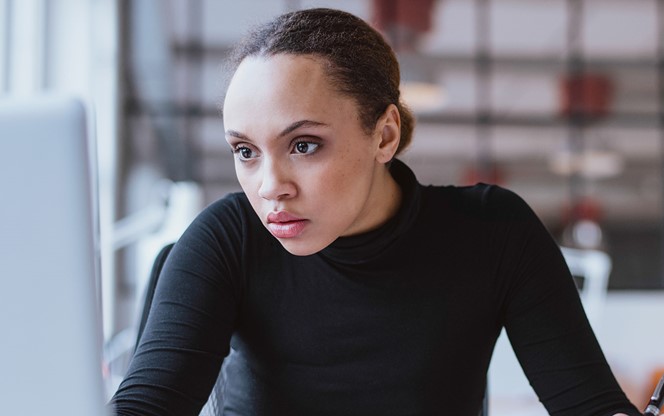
<point x="294" y="85"/>
<point x="282" y="73"/>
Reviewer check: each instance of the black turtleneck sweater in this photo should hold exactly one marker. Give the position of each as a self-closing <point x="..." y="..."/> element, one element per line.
<point x="401" y="320"/>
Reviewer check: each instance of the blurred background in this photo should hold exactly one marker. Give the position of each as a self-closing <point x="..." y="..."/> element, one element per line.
<point x="561" y="101"/>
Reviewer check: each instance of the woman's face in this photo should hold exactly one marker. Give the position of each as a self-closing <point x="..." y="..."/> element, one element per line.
<point x="309" y="169"/>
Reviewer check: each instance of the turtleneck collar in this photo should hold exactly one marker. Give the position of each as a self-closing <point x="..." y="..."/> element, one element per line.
<point x="365" y="247"/>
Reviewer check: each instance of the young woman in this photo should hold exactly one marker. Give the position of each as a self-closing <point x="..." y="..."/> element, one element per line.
<point x="336" y="284"/>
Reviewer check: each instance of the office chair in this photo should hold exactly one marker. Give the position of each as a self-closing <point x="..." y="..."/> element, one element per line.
<point x="214" y="405"/>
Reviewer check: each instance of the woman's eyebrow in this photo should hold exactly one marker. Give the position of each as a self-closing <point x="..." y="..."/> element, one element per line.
<point x="291" y="128"/>
<point x="237" y="134"/>
<point x="302" y="123"/>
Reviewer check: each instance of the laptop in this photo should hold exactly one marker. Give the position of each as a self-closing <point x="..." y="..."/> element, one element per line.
<point x="50" y="326"/>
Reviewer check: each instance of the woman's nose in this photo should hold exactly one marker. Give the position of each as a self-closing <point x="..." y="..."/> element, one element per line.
<point x="276" y="183"/>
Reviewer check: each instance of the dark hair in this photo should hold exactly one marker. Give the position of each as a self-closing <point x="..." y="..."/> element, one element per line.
<point x="359" y="61"/>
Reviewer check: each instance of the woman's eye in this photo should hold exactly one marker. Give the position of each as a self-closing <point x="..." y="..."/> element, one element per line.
<point x="305" y="148"/>
<point x="243" y="152"/>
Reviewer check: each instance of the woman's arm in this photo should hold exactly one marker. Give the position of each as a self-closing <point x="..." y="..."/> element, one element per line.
<point x="546" y="323"/>
<point x="192" y="318"/>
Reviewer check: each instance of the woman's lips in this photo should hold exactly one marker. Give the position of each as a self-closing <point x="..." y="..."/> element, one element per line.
<point x="285" y="225"/>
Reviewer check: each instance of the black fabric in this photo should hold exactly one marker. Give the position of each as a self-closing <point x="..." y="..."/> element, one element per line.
<point x="151" y="287"/>
<point x="401" y="320"/>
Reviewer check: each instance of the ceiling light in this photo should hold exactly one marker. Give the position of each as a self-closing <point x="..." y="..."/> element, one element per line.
<point x="592" y="164"/>
<point x="423" y="97"/>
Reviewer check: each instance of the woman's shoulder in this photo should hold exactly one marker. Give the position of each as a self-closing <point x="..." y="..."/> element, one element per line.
<point x="232" y="206"/>
<point x="228" y="218"/>
<point x="485" y="200"/>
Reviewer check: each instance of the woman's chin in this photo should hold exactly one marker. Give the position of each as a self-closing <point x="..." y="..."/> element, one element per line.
<point x="301" y="246"/>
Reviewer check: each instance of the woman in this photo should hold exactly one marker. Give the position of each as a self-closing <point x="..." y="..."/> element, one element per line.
<point x="342" y="285"/>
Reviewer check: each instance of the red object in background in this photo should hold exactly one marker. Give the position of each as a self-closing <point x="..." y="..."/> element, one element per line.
<point x="588" y="95"/>
<point x="585" y="208"/>
<point x="411" y="14"/>
<point x="492" y="174"/>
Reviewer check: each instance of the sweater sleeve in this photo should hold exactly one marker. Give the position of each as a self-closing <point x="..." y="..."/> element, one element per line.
<point x="193" y="314"/>
<point x="545" y="320"/>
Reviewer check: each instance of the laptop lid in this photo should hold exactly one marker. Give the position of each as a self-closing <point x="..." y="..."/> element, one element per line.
<point x="50" y="327"/>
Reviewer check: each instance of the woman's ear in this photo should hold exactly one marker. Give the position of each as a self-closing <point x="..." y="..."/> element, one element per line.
<point x="388" y="130"/>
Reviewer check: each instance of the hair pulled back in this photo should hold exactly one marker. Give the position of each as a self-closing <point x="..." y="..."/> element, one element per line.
<point x="359" y="62"/>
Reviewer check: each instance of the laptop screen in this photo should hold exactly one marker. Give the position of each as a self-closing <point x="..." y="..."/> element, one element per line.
<point x="50" y="348"/>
